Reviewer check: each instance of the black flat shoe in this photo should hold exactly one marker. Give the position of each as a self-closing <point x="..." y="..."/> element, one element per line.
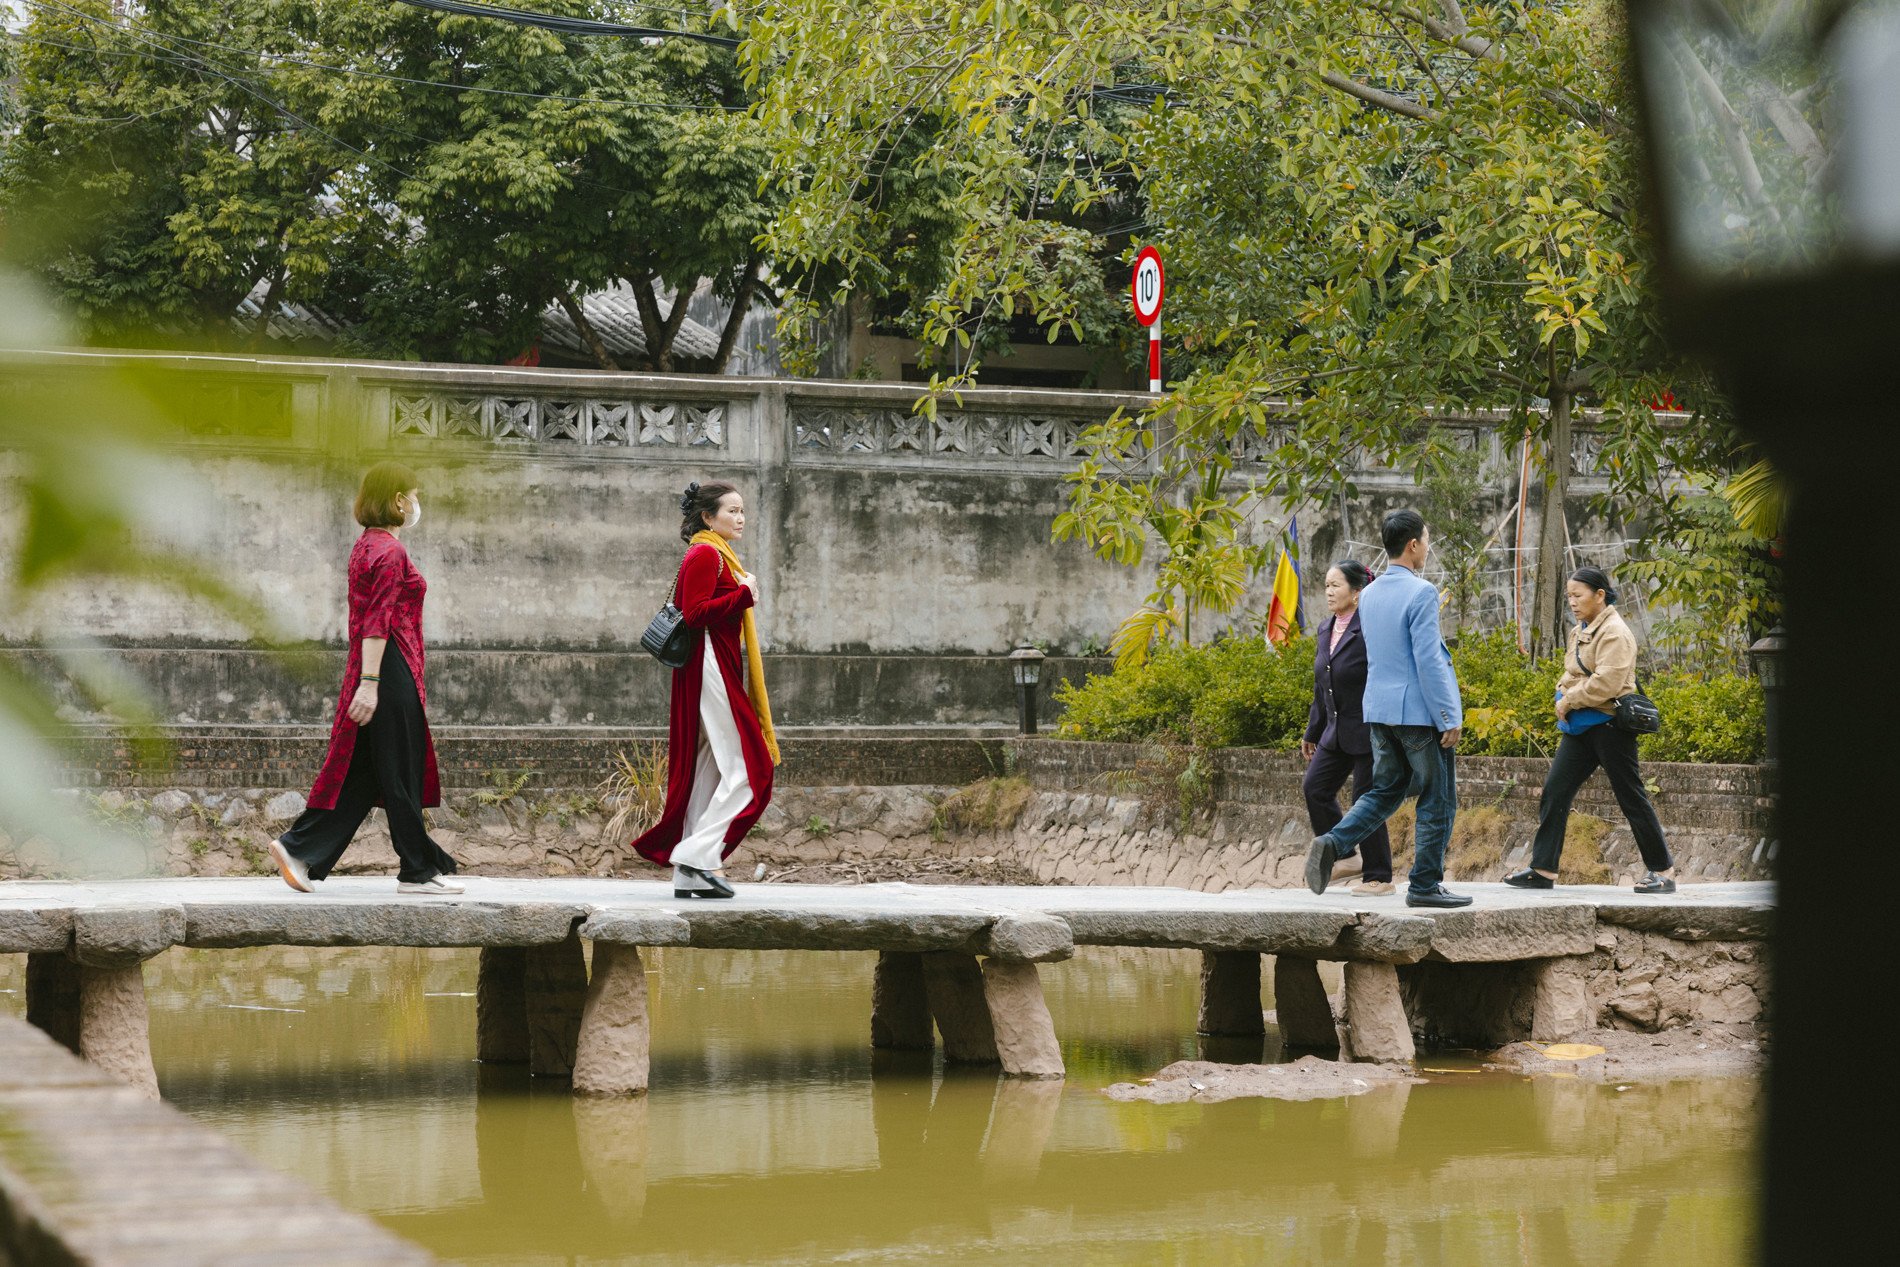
<point x="1320" y="857"/>
<point x="716" y="886"/>
<point x="1529" y="879"/>
<point x="1653" y="883"/>
<point x="1439" y="897"/>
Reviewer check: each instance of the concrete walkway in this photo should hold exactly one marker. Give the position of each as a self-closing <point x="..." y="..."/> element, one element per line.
<point x="959" y="961"/>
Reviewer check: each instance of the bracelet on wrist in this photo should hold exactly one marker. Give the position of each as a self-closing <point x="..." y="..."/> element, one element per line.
<point x="372" y="677"/>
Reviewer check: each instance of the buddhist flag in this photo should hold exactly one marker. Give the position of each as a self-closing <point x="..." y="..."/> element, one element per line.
<point x="1283" y="613"/>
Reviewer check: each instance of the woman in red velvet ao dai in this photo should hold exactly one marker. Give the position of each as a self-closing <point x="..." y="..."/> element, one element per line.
<point x="381" y="752"/>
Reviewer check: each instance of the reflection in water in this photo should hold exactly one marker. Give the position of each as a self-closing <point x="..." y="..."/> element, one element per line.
<point x="775" y="1134"/>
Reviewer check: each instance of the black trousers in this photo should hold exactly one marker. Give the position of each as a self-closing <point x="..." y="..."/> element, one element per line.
<point x="1578" y="757"/>
<point x="1325" y="775"/>
<point x="387" y="764"/>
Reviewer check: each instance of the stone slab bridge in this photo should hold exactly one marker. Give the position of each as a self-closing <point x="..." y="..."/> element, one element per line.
<point x="955" y="961"/>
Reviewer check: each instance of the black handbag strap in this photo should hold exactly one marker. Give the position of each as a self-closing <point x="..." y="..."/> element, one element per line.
<point x="673" y="589"/>
<point x="1576" y="653"/>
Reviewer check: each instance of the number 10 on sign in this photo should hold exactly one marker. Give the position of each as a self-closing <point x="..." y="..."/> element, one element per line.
<point x="1149" y="285"/>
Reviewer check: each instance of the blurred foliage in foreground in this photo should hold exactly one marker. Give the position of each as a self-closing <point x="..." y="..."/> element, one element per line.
<point x="87" y="497"/>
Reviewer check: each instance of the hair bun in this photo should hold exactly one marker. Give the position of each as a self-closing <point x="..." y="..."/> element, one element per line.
<point x="689" y="498"/>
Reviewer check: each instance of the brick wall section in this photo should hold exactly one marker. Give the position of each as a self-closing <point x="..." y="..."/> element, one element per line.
<point x="1731" y="798"/>
<point x="288" y="757"/>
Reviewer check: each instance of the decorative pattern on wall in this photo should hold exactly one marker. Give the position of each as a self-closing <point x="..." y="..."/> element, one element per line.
<point x="560" y="420"/>
<point x="240" y="407"/>
<point x="952" y="434"/>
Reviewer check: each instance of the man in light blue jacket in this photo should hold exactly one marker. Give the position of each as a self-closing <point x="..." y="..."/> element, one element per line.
<point x="1414" y="715"/>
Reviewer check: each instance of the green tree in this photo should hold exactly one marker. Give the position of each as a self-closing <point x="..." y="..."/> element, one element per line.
<point x="1371" y="211"/>
<point x="180" y="187"/>
<point x="438" y="178"/>
<point x="528" y="167"/>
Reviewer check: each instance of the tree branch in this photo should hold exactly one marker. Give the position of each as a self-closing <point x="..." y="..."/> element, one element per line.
<point x="1729" y="123"/>
<point x="585" y="328"/>
<point x="650" y="323"/>
<point x="663" y="361"/>
<point x="1332" y="79"/>
<point x="741" y="305"/>
<point x="1377" y="97"/>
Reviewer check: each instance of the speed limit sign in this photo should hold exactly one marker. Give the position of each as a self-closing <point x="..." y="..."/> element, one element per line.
<point x="1150" y="283"/>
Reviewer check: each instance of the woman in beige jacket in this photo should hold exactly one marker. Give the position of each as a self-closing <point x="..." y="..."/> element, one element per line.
<point x="1599" y="669"/>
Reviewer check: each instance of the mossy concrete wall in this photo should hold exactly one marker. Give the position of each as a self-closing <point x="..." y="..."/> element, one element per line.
<point x="899" y="553"/>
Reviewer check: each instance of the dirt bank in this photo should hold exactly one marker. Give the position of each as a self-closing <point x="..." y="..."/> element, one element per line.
<point x="1697" y="1051"/>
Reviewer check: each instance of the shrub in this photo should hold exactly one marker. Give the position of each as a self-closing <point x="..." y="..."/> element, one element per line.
<point x="1257" y="694"/>
<point x="1245" y="692"/>
<point x="1509" y="698"/>
<point x="1707" y="719"/>
<point x="1238" y="692"/>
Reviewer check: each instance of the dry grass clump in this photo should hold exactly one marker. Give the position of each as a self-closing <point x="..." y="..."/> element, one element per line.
<point x="986" y="805"/>
<point x="636" y="787"/>
<point x="1582" y="861"/>
<point x="1480" y="837"/>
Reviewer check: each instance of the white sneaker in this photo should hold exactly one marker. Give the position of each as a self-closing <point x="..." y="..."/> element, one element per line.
<point x="295" y="874"/>
<point x="434" y="886"/>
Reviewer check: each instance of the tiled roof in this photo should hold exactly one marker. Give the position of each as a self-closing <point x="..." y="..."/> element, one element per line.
<point x="613" y="313"/>
<point x="615" y="316"/>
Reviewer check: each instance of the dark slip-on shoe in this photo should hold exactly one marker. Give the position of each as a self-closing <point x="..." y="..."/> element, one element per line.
<point x="1441" y="897"/>
<point x="1320" y="857"/>
<point x="715" y="884"/>
<point x="1529" y="879"/>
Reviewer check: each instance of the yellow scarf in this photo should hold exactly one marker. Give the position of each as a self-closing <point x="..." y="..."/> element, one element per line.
<point x="754" y="663"/>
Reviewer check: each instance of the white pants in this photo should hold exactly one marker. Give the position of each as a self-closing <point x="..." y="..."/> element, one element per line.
<point x="720" y="790"/>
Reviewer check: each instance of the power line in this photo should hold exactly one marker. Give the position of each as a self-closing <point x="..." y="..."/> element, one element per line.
<point x="568" y="26"/>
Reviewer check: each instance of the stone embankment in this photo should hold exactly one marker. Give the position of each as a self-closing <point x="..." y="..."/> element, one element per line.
<point x="1068" y="814"/>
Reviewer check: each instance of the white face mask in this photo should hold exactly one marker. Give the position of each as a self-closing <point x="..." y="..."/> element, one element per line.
<point x="414" y="516"/>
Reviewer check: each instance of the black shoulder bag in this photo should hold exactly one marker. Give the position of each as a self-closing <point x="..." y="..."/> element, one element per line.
<point x="1635" y="712"/>
<point x="669" y="639"/>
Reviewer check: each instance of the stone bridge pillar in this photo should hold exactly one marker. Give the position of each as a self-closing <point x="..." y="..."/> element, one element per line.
<point x="1300" y="1003"/>
<point x="1230" y="994"/>
<point x="555" y="986"/>
<point x="900" y="1003"/>
<point x="91" y="998"/>
<point x="501" y="1006"/>
<point x="1373" y="1023"/>
<point x="992" y="1013"/>
<point x="614" y="1049"/>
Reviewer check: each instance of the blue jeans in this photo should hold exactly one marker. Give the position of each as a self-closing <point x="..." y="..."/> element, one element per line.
<point x="1406" y="761"/>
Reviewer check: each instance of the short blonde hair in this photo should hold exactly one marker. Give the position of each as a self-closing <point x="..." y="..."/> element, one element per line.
<point x="376" y="499"/>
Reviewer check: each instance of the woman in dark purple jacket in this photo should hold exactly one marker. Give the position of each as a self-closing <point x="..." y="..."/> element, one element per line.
<point x="1336" y="743"/>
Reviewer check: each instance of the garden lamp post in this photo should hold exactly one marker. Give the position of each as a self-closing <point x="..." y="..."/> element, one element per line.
<point x="1025" y="666"/>
<point x="1772" y="149"/>
<point x="1764" y="658"/>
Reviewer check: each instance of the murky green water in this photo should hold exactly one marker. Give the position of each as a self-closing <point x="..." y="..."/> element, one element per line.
<point x="773" y="1135"/>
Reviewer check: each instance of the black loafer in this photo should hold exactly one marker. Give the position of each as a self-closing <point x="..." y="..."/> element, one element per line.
<point x="716" y="886"/>
<point x="1529" y="879"/>
<point x="1320" y="857"/>
<point x="1438" y="897"/>
<point x="1653" y="883"/>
